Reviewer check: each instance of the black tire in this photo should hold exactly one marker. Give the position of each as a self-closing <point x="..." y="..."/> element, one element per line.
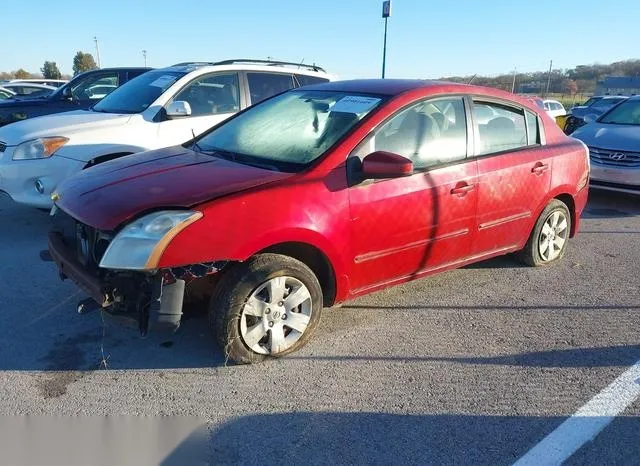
<point x="530" y="254"/>
<point x="235" y="288"/>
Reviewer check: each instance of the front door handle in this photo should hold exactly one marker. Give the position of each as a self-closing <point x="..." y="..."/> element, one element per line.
<point x="539" y="168"/>
<point x="462" y="189"/>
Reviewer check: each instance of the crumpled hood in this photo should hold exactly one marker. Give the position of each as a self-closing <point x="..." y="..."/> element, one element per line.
<point x="608" y="136"/>
<point x="114" y="192"/>
<point x="59" y="124"/>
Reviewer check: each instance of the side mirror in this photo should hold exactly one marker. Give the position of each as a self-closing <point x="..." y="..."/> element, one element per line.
<point x="590" y="118"/>
<point x="382" y="164"/>
<point x="66" y="93"/>
<point x="178" y="108"/>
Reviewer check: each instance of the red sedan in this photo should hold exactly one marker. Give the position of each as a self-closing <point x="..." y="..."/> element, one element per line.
<point x="314" y="197"/>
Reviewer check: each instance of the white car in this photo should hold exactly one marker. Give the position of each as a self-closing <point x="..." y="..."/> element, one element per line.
<point x="6" y="93"/>
<point x="29" y="89"/>
<point x="158" y="109"/>
<point x="46" y="82"/>
<point x="554" y="108"/>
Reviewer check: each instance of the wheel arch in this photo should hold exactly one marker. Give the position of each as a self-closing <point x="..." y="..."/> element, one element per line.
<point x="563" y="194"/>
<point x="314" y="258"/>
<point x="568" y="200"/>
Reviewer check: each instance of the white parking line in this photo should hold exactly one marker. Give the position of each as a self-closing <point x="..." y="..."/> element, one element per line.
<point x="587" y="422"/>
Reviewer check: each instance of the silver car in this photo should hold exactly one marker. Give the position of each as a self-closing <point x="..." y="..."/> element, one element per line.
<point x="614" y="147"/>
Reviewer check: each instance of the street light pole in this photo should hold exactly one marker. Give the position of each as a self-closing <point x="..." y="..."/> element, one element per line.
<point x="97" y="50"/>
<point x="549" y="78"/>
<point x="386" y="13"/>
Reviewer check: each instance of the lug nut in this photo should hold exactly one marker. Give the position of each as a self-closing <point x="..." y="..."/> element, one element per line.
<point x="284" y="317"/>
<point x="267" y="311"/>
<point x="281" y="303"/>
<point x="270" y="324"/>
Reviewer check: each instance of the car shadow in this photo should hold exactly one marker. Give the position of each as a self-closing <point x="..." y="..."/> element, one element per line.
<point x="606" y="204"/>
<point x="378" y="438"/>
<point x="607" y="356"/>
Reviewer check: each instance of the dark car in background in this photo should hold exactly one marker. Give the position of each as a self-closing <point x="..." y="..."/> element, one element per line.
<point x="594" y="107"/>
<point x="77" y="94"/>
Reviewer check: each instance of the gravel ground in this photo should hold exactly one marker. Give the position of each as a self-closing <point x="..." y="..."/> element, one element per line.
<point x="471" y="366"/>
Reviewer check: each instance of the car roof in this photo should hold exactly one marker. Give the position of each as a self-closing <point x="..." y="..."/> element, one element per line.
<point x="27" y="84"/>
<point x="119" y="68"/>
<point x="250" y="65"/>
<point x="392" y="87"/>
<point x="614" y="97"/>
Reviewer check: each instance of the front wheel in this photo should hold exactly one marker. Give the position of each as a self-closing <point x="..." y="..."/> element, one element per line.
<point x="267" y="306"/>
<point x="548" y="241"/>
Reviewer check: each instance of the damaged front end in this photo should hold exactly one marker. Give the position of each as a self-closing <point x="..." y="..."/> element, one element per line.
<point x="150" y="298"/>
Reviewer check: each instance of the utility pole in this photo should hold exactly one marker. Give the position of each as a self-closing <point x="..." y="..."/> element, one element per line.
<point x="549" y="78"/>
<point x="386" y="13"/>
<point x="513" y="84"/>
<point x="144" y="55"/>
<point x="97" y="50"/>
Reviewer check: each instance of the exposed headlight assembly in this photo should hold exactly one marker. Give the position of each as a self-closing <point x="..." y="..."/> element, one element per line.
<point x="139" y="245"/>
<point x="40" y="148"/>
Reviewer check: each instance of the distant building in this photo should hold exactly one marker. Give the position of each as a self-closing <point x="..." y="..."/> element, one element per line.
<point x="618" y="85"/>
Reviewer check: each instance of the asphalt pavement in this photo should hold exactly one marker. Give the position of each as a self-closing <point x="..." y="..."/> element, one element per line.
<point x="474" y="366"/>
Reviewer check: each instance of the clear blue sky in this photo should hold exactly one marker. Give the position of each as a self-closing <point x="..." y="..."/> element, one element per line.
<point x="427" y="38"/>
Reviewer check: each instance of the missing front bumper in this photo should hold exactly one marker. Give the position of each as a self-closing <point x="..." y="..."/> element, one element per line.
<point x="154" y="301"/>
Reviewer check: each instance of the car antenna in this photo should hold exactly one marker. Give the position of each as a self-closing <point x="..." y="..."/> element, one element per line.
<point x="195" y="143"/>
<point x="472" y="78"/>
<point x="301" y="62"/>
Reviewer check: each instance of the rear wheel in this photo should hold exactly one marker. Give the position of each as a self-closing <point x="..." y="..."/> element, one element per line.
<point x="267" y="306"/>
<point x="548" y="241"/>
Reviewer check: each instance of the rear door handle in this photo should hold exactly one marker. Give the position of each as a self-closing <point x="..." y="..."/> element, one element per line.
<point x="462" y="189"/>
<point x="539" y="168"/>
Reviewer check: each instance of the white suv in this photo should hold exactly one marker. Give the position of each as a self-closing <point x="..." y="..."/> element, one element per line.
<point x="160" y="108"/>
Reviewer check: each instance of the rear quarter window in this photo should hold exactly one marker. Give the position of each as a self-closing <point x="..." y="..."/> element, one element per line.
<point x="305" y="80"/>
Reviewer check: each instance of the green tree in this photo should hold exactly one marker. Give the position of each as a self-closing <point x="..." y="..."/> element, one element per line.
<point x="22" y="74"/>
<point x="83" y="62"/>
<point x="50" y="70"/>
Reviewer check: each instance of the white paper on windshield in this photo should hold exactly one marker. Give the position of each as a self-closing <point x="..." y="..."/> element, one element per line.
<point x="163" y="81"/>
<point x="354" y="104"/>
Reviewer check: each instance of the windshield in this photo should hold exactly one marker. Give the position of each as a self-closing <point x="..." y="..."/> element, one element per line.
<point x="292" y="129"/>
<point x="627" y="113"/>
<point x="138" y="94"/>
<point x="606" y="103"/>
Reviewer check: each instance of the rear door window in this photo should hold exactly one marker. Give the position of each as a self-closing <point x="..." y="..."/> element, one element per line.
<point x="505" y="130"/>
<point x="264" y="85"/>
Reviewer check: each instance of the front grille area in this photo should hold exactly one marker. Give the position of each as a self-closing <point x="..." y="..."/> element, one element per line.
<point x="615" y="158"/>
<point x="90" y="244"/>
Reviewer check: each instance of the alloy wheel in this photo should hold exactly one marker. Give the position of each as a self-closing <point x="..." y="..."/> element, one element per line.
<point x="275" y="315"/>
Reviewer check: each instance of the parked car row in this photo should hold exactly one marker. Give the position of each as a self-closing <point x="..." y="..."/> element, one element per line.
<point x="73" y="95"/>
<point x="159" y="108"/>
